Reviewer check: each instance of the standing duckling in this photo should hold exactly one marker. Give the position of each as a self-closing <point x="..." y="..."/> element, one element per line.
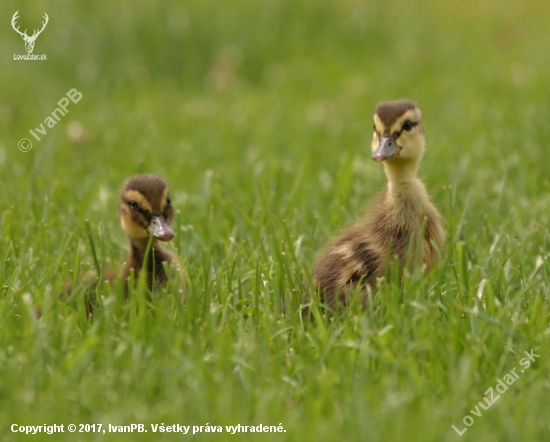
<point x="402" y="215"/>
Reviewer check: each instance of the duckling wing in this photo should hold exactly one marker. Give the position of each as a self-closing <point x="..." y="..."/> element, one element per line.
<point x="348" y="262"/>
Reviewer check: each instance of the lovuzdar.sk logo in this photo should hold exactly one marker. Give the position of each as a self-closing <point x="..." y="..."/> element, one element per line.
<point x="29" y="39"/>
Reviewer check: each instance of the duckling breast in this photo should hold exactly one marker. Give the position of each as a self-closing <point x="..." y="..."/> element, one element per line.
<point x="413" y="231"/>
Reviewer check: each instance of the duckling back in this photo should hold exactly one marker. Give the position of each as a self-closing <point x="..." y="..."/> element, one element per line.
<point x="406" y="231"/>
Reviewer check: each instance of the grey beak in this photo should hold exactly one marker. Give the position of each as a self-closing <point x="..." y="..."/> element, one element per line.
<point x="386" y="149"/>
<point x="159" y="229"/>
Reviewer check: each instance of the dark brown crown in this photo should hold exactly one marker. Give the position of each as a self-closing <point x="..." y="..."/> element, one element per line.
<point x="153" y="189"/>
<point x="390" y="111"/>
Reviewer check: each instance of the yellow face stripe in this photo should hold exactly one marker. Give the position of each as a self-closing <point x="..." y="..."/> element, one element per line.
<point x="139" y="198"/>
<point x="378" y="125"/>
<point x="164" y="201"/>
<point x="413" y="115"/>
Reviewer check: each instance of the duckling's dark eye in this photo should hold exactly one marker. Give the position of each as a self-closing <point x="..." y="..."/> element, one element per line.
<point x="408" y="125"/>
<point x="168" y="202"/>
<point x="133" y="204"/>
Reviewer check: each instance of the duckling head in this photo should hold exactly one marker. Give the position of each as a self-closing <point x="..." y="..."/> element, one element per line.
<point x="398" y="133"/>
<point x="145" y="209"/>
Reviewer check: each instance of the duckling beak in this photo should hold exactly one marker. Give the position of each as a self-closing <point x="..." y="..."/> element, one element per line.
<point x="159" y="229"/>
<point x="386" y="149"/>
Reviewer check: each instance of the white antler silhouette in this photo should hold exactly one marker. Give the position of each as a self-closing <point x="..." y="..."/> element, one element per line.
<point x="13" y="20"/>
<point x="29" y="41"/>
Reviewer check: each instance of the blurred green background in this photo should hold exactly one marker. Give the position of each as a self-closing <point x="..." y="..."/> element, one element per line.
<point x="259" y="114"/>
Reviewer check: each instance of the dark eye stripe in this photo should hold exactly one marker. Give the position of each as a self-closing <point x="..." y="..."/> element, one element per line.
<point x="407" y="126"/>
<point x="137" y="208"/>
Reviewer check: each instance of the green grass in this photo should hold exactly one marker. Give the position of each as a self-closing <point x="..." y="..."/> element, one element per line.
<point x="259" y="116"/>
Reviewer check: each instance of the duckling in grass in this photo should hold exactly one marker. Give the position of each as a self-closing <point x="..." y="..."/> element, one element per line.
<point x="402" y="224"/>
<point x="146" y="215"/>
<point x="145" y="211"/>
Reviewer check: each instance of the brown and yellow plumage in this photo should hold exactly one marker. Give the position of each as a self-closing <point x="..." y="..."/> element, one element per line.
<point x="402" y="218"/>
<point x="146" y="215"/>
<point x="145" y="211"/>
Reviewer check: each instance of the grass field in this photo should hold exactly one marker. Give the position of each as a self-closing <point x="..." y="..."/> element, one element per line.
<point x="259" y="114"/>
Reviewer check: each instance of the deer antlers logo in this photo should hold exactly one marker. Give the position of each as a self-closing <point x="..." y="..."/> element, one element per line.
<point x="29" y="41"/>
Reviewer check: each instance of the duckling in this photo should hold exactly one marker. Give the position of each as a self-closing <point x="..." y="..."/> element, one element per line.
<point x="145" y="211"/>
<point x="402" y="215"/>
